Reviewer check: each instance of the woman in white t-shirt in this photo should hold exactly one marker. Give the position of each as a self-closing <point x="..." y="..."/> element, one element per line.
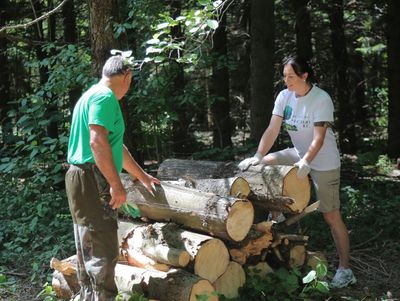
<point x="306" y="112"/>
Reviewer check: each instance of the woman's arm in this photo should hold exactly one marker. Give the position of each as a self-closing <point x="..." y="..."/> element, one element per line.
<point x="270" y="135"/>
<point x="317" y="142"/>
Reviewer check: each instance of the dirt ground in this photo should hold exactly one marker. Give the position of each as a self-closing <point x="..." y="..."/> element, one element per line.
<point x="377" y="269"/>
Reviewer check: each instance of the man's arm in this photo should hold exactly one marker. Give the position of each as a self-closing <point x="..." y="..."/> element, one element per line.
<point x="102" y="153"/>
<point x="131" y="166"/>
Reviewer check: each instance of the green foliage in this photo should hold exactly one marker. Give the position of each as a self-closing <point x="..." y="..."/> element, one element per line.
<point x="384" y="164"/>
<point x="315" y="284"/>
<point x="281" y="285"/>
<point x="35" y="226"/>
<point x="8" y="285"/>
<point x="197" y="24"/>
<point x="47" y="293"/>
<point x="33" y="153"/>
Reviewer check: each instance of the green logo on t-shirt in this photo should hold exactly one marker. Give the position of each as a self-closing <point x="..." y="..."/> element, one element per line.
<point x="287" y="113"/>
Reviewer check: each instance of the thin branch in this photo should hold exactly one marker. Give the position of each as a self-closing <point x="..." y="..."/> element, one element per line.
<point x="25" y="25"/>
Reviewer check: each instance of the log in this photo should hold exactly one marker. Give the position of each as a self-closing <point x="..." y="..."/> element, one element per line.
<point x="135" y="235"/>
<point x="261" y="269"/>
<point x="275" y="188"/>
<point x="314" y="258"/>
<point x="229" y="282"/>
<point x="225" y="217"/>
<point x="174" y="169"/>
<point x="258" y="239"/>
<point x="140" y="260"/>
<point x="272" y="182"/>
<point x="203" y="249"/>
<point x="297" y="256"/>
<point x="174" y="285"/>
<point x="65" y="286"/>
<point x="234" y="186"/>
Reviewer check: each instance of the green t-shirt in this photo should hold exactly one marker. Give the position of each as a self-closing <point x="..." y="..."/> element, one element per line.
<point x="97" y="106"/>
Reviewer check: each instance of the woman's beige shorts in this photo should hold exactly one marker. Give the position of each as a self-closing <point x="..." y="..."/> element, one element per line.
<point x="326" y="183"/>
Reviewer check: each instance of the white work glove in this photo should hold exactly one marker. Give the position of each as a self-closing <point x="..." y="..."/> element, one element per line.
<point x="244" y="165"/>
<point x="303" y="168"/>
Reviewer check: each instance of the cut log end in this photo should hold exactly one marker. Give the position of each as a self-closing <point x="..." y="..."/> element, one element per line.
<point x="184" y="259"/>
<point x="297" y="256"/>
<point x="212" y="260"/>
<point x="240" y="188"/>
<point x="298" y="189"/>
<point x="203" y="288"/>
<point x="240" y="220"/>
<point x="230" y="282"/>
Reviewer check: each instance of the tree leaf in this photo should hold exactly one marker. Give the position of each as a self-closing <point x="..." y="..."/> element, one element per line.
<point x="310" y="277"/>
<point x="213" y="24"/>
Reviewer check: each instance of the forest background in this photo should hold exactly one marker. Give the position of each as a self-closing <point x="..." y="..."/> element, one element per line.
<point x="206" y="79"/>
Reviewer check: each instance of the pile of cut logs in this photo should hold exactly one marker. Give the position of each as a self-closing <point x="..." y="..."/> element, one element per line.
<point x="204" y="223"/>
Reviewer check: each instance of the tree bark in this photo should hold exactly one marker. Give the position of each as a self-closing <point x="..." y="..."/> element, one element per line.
<point x="101" y="32"/>
<point x="258" y="239"/>
<point x="220" y="102"/>
<point x="262" y="66"/>
<point x="178" y="246"/>
<point x="224" y="217"/>
<point x="303" y="29"/>
<point x="6" y="129"/>
<point x="393" y="46"/>
<point x="174" y="285"/>
<point x="181" y="137"/>
<point x="340" y="56"/>
<point x="236" y="186"/>
<point x="174" y="169"/>
<point x="269" y="182"/>
<point x="71" y="36"/>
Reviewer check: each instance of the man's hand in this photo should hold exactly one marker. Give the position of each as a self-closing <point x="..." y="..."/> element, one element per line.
<point x="304" y="168"/>
<point x="246" y="163"/>
<point x="149" y="181"/>
<point x="118" y="196"/>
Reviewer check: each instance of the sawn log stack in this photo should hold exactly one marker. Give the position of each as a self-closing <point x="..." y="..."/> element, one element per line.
<point x="199" y="229"/>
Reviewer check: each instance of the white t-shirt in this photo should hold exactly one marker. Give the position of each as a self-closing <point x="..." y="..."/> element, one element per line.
<point x="299" y="115"/>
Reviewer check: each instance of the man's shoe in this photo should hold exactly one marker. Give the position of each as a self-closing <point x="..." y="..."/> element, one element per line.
<point x="343" y="278"/>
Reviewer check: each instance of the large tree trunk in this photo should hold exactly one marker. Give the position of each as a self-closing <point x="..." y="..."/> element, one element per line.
<point x="220" y="103"/>
<point x="225" y="217"/>
<point x="101" y="32"/>
<point x="262" y="66"/>
<point x="303" y="29"/>
<point x="236" y="186"/>
<point x="340" y="56"/>
<point x="174" y="169"/>
<point x="70" y="37"/>
<point x="393" y="46"/>
<point x="181" y="137"/>
<point x="6" y="129"/>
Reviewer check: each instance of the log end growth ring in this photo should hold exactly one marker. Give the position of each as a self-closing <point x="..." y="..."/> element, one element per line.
<point x="240" y="220"/>
<point x="298" y="189"/>
<point x="212" y="260"/>
<point x="203" y="287"/>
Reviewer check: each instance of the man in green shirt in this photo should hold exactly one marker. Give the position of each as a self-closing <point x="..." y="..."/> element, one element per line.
<point x="97" y="155"/>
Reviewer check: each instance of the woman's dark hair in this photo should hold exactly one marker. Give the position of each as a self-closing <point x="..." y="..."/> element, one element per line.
<point x="299" y="65"/>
